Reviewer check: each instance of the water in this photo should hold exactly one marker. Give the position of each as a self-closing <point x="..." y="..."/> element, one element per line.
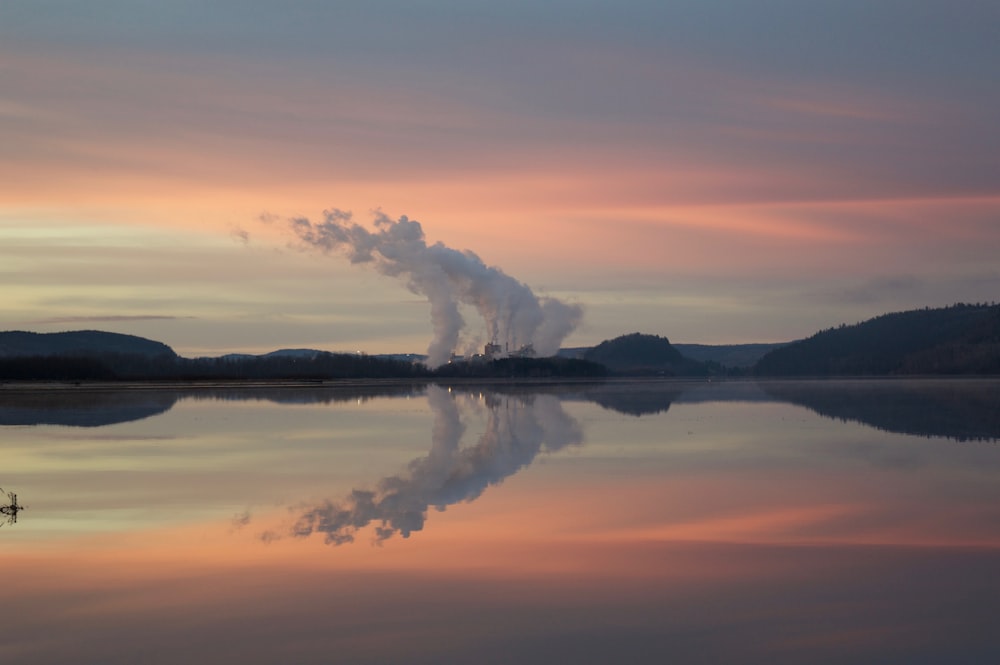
<point x="781" y="522"/>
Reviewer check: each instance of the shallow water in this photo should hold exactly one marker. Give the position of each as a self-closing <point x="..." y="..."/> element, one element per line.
<point x="642" y="522"/>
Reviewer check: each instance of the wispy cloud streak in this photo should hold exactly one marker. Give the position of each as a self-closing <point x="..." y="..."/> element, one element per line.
<point x="107" y="318"/>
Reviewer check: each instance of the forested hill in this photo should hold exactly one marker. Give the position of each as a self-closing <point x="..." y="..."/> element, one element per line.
<point x="638" y="354"/>
<point x="960" y="339"/>
<point x="79" y="342"/>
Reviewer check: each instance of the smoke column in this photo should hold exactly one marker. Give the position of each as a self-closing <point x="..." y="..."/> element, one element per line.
<point x="513" y="314"/>
<point x="518" y="429"/>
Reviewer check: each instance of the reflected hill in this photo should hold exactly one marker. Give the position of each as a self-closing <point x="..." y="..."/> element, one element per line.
<point x="635" y="398"/>
<point x="652" y="396"/>
<point x="82" y="408"/>
<point x="963" y="410"/>
<point x="957" y="408"/>
<point x="632" y="397"/>
<point x="96" y="407"/>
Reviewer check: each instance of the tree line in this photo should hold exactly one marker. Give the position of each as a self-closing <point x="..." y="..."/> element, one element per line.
<point x="132" y="367"/>
<point x="321" y="367"/>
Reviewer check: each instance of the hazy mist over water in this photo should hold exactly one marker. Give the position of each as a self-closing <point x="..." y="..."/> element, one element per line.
<point x="640" y="522"/>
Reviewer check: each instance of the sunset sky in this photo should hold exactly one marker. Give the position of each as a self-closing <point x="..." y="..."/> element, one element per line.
<point x="711" y="171"/>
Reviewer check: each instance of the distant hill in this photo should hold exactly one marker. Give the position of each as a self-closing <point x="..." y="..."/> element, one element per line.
<point x="740" y="356"/>
<point x="304" y="354"/>
<point x="643" y="354"/>
<point x="960" y="339"/>
<point x="728" y="355"/>
<point x="79" y="342"/>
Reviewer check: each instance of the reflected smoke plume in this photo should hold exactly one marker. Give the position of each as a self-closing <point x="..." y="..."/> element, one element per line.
<point x="514" y="316"/>
<point x="518" y="428"/>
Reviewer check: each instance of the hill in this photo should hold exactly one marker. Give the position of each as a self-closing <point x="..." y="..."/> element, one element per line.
<point x="642" y="354"/>
<point x="728" y="355"/>
<point x="18" y="343"/>
<point x="732" y="356"/>
<point x="960" y="339"/>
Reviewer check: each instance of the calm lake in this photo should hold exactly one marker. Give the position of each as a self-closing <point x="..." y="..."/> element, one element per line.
<point x="623" y="522"/>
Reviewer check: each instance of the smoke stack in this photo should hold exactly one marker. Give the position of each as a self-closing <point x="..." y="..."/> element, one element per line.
<point x="447" y="277"/>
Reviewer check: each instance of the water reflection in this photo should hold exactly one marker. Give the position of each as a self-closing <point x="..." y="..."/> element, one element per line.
<point x="637" y="398"/>
<point x="329" y="393"/>
<point x="518" y="428"/>
<point x="700" y="523"/>
<point x="90" y="406"/>
<point x="75" y="407"/>
<point x="959" y="409"/>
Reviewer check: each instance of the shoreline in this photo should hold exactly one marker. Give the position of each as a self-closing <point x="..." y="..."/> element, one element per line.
<point x="361" y="383"/>
<point x="153" y="385"/>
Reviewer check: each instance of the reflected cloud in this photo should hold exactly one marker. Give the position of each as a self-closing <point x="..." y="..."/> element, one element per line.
<point x="240" y="520"/>
<point x="518" y="428"/>
<point x="105" y="319"/>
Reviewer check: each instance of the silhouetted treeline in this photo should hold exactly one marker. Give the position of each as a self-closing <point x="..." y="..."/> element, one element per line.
<point x="531" y="368"/>
<point x="960" y="339"/>
<point x="127" y="367"/>
<point x="322" y="366"/>
<point x="55" y="368"/>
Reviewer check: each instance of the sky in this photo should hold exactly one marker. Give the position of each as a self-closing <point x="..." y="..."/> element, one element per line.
<point x="710" y="171"/>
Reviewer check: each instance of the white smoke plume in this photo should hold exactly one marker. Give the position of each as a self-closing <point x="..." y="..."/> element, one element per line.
<point x="514" y="316"/>
<point x="518" y="429"/>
